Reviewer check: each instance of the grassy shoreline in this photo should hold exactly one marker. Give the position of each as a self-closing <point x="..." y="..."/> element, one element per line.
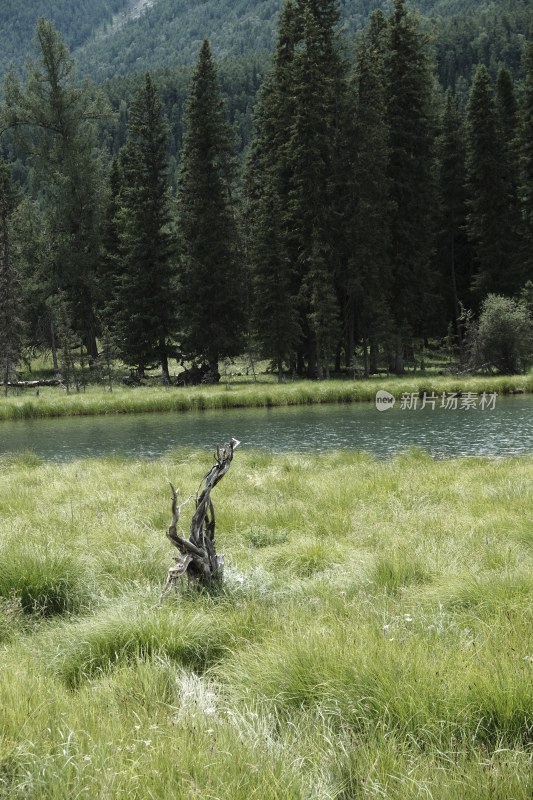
<point x="374" y="638"/>
<point x="54" y="402"/>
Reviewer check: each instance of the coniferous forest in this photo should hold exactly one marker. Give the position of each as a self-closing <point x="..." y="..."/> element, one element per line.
<point x="335" y="205"/>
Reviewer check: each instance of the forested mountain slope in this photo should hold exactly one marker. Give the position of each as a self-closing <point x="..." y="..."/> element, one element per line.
<point x="118" y="37"/>
<point x="77" y="22"/>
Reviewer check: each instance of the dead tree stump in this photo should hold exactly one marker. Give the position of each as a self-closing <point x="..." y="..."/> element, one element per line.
<point x="198" y="557"/>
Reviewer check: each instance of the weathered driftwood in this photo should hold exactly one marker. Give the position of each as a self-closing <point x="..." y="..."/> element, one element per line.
<point x="35" y="384"/>
<point x="198" y="558"/>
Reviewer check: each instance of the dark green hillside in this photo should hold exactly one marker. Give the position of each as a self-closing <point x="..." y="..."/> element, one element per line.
<point x="76" y="21"/>
<point x="118" y="37"/>
<point x="169" y="32"/>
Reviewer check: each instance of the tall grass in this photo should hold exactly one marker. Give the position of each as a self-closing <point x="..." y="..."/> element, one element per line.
<point x="373" y="638"/>
<point x="54" y="402"/>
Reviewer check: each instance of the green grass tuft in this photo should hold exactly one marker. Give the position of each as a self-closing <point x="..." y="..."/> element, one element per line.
<point x="45" y="584"/>
<point x="399" y="569"/>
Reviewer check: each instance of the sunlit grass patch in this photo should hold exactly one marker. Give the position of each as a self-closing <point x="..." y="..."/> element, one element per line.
<point x="303" y="558"/>
<point x="398" y="569"/>
<point x="372" y="637"/>
<point x="118" y="636"/>
<point x="194" y="633"/>
<point x="44" y="583"/>
<point x="261" y="536"/>
<point x="53" y="402"/>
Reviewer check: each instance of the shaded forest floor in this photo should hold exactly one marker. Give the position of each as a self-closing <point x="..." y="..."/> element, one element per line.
<point x="374" y="636"/>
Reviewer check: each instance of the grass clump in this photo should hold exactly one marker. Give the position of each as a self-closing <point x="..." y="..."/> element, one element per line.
<point x="261" y="536"/>
<point x="395" y="571"/>
<point x="120" y="636"/>
<point x="44" y="583"/>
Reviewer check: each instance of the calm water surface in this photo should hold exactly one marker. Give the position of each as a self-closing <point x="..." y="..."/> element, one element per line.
<point x="506" y="430"/>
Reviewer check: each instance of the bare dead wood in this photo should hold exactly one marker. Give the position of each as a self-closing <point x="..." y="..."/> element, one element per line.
<point x="35" y="384"/>
<point x="198" y="558"/>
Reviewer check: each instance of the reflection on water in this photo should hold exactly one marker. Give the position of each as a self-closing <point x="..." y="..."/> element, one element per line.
<point x="506" y="430"/>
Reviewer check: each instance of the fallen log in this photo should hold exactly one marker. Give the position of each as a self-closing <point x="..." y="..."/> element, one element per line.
<point x="198" y="557"/>
<point x="35" y="384"/>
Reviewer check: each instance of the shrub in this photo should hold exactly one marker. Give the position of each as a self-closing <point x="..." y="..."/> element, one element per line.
<point x="504" y="334"/>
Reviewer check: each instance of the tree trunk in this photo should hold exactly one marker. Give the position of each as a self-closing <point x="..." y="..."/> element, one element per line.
<point x="54" y="346"/>
<point x="165" y="375"/>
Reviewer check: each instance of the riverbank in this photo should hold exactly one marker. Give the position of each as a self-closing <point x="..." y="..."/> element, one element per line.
<point x="374" y="637"/>
<point x="54" y="402"/>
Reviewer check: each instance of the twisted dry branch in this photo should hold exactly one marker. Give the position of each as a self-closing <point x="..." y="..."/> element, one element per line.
<point x="198" y="558"/>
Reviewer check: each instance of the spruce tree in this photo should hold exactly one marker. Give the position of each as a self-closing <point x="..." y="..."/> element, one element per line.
<point x="489" y="222"/>
<point x="212" y="303"/>
<point x="275" y="313"/>
<point x="145" y="293"/>
<point x="525" y="143"/>
<point x="54" y="121"/>
<point x="10" y="317"/>
<point x="454" y="255"/>
<point x="411" y="124"/>
<point x="295" y="171"/>
<point x="507" y="130"/>
<point x="311" y="155"/>
<point x="367" y="277"/>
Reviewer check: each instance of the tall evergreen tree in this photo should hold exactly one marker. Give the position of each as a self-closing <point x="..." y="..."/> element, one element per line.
<point x="54" y="121"/>
<point x="411" y="123"/>
<point x="489" y="221"/>
<point x="454" y="256"/>
<point x="296" y="173"/>
<point x="211" y="278"/>
<point x="507" y="129"/>
<point x="275" y="311"/>
<point x="525" y="143"/>
<point x="145" y="293"/>
<point x="367" y="278"/>
<point x="10" y="317"/>
<point x="312" y="155"/>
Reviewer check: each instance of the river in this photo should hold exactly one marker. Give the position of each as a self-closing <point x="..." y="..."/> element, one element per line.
<point x="506" y="429"/>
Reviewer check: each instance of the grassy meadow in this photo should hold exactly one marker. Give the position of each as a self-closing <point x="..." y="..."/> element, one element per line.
<point x="373" y="639"/>
<point x="239" y="392"/>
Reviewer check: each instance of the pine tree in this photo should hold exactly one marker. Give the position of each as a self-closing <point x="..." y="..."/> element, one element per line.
<point x="211" y="277"/>
<point x="367" y="277"/>
<point x="109" y="265"/>
<point x="54" y="122"/>
<point x="295" y="171"/>
<point x="411" y="123"/>
<point x="275" y="315"/>
<point x="506" y="107"/>
<point x="489" y="222"/>
<point x="454" y="256"/>
<point x="525" y="143"/>
<point x="311" y="156"/>
<point x="145" y="295"/>
<point x="10" y="317"/>
<point x="274" y="312"/>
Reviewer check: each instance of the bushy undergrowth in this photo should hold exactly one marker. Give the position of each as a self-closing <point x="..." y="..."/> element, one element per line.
<point x="373" y="637"/>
